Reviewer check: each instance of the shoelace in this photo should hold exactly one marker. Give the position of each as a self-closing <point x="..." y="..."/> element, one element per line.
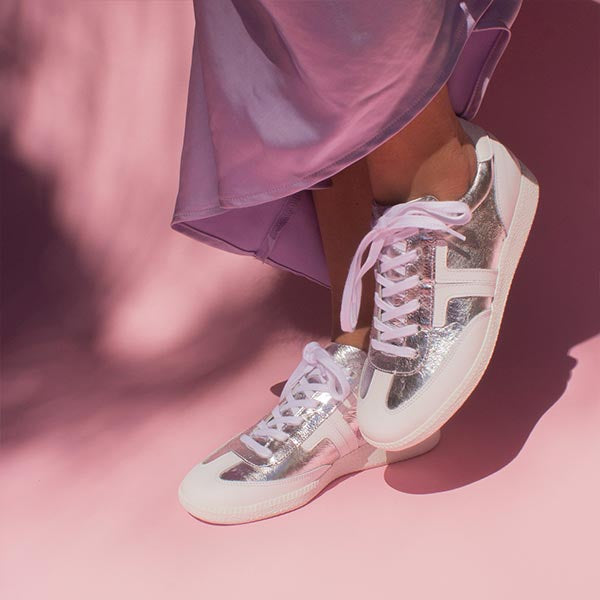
<point x="389" y="233"/>
<point x="317" y="372"/>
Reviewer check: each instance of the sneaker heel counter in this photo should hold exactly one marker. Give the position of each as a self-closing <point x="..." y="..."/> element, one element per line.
<point x="507" y="182"/>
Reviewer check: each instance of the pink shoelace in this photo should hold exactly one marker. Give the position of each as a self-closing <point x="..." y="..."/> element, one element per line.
<point x="386" y="243"/>
<point x="317" y="372"/>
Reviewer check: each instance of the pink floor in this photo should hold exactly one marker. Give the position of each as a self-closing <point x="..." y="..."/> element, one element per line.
<point x="128" y="354"/>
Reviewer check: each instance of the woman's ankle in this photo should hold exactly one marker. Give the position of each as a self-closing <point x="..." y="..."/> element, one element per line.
<point x="432" y="155"/>
<point x="447" y="174"/>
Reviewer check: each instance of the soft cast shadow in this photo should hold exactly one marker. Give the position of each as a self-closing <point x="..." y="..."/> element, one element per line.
<point x="55" y="303"/>
<point x="543" y="103"/>
<point x="41" y="269"/>
<point x="53" y="309"/>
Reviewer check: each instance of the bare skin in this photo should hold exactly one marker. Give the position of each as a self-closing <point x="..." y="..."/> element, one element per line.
<point x="431" y="155"/>
<point x="344" y="214"/>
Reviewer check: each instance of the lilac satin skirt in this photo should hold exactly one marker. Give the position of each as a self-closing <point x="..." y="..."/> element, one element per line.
<point x="285" y="93"/>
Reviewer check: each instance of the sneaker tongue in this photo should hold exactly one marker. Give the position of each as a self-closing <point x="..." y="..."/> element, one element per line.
<point x="349" y="357"/>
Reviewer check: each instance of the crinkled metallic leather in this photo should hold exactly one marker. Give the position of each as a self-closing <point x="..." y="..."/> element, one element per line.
<point x="299" y="461"/>
<point x="484" y="235"/>
<point x="289" y="458"/>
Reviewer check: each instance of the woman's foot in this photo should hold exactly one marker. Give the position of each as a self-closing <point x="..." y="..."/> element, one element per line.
<point x="430" y="155"/>
<point x="443" y="271"/>
<point x="307" y="441"/>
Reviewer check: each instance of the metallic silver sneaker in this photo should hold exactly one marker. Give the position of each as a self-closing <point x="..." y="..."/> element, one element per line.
<point x="443" y="271"/>
<point x="307" y="441"/>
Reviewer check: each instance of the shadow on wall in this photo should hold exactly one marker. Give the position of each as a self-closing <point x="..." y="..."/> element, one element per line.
<point x="543" y="102"/>
<point x="53" y="376"/>
<point x="105" y="167"/>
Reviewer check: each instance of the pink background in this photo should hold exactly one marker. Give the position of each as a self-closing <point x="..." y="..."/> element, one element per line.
<point x="127" y="357"/>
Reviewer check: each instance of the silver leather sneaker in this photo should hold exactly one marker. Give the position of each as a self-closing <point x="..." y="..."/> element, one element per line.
<point x="443" y="271"/>
<point x="287" y="458"/>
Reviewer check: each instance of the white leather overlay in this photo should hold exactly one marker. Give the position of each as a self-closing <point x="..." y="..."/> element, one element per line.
<point x="386" y="425"/>
<point x="457" y="283"/>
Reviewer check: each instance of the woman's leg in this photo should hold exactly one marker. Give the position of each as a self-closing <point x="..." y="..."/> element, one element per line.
<point x="431" y="155"/>
<point x="344" y="213"/>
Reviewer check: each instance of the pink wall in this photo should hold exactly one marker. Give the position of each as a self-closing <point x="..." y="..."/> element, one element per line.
<point x="126" y="357"/>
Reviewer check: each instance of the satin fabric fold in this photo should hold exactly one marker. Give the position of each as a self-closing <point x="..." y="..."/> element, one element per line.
<point x="284" y="94"/>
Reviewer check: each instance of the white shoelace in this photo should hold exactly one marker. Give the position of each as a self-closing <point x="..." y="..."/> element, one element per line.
<point x="317" y="372"/>
<point x="388" y="236"/>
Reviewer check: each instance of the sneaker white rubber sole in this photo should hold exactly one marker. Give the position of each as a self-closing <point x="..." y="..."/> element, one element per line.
<point x="512" y="249"/>
<point x="365" y="457"/>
